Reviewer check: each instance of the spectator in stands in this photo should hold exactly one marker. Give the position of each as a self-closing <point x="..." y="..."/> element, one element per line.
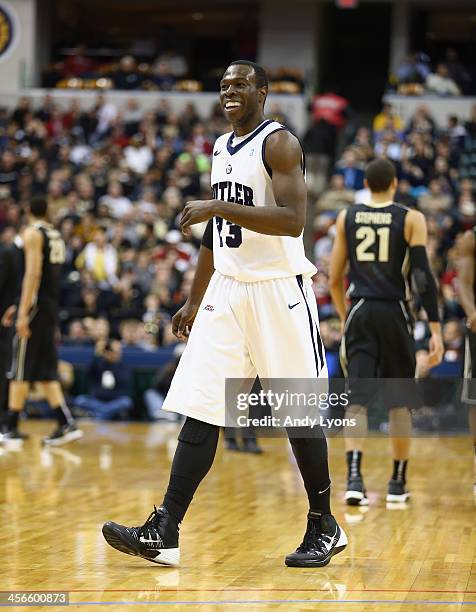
<point x="387" y="120"/>
<point x="22" y="110"/>
<point x="319" y="144"/>
<point x="106" y="113"/>
<point x="127" y="75"/>
<point x="138" y="155"/>
<point x="78" y="64"/>
<point x="435" y="201"/>
<point x="162" y="76"/>
<point x="414" y="69"/>
<point x="118" y="205"/>
<point x="404" y="196"/>
<point x="471" y="123"/>
<point x="132" y="116"/>
<point x="108" y="379"/>
<point x="456" y="132"/>
<point x="9" y="171"/>
<point x="363" y="141"/>
<point x="389" y="146"/>
<point x="336" y="197"/>
<point x="421" y="122"/>
<point x="457" y="71"/>
<point x="441" y="83"/>
<point x="351" y="169"/>
<point x="175" y="62"/>
<point x="100" y="259"/>
<point x="76" y="334"/>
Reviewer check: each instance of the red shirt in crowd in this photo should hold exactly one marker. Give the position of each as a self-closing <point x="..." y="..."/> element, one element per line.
<point x="330" y="107"/>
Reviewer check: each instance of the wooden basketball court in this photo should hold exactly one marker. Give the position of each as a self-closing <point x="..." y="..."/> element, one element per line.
<point x="248" y="514"/>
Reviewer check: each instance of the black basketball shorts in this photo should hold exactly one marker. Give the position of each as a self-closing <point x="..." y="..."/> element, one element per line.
<point x="378" y="344"/>
<point x="35" y="359"/>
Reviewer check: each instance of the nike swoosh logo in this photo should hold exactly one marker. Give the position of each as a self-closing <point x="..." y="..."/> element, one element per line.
<point x="216" y="153"/>
<point x="291" y="306"/>
<point x="328" y="545"/>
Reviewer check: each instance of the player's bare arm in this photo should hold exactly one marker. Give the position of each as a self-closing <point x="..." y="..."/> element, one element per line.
<point x="283" y="155"/>
<point x="31" y="281"/>
<point x="338" y="265"/>
<point x="416" y="235"/>
<point x="465" y="266"/>
<point x="183" y="319"/>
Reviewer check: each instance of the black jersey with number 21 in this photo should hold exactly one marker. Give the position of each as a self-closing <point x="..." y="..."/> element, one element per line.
<point x="53" y="258"/>
<point x="378" y="252"/>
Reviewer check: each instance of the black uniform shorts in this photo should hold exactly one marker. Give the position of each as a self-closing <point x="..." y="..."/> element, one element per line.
<point x="35" y="359"/>
<point x="378" y="344"/>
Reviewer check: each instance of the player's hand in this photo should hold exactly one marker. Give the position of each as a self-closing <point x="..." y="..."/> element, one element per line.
<point x="471" y="323"/>
<point x="435" y="355"/>
<point x="23" y="327"/>
<point x="182" y="321"/>
<point x="194" y="212"/>
<point x="8" y="316"/>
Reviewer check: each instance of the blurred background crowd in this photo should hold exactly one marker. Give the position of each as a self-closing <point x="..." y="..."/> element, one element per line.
<point x="117" y="178"/>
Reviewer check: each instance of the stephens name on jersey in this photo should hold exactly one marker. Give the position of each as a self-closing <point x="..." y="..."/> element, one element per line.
<point x="240" y="174"/>
<point x="379" y="263"/>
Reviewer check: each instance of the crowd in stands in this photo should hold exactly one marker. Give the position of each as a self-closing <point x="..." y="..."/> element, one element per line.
<point x="117" y="179"/>
<point x="169" y="72"/>
<point x="418" y="75"/>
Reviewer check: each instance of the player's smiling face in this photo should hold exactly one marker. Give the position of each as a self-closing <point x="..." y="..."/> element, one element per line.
<point x="239" y="97"/>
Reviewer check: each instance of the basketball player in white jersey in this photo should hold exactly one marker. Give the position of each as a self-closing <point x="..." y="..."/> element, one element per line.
<point x="253" y="313"/>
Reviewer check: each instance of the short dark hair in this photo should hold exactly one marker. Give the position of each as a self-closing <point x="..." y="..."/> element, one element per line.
<point x="380" y="174"/>
<point x="261" y="78"/>
<point x="38" y="206"/>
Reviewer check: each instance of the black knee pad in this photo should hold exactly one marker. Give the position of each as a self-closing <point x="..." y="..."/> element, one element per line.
<point x="195" y="432"/>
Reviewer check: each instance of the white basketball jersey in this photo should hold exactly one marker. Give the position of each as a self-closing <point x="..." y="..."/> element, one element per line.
<point x="239" y="174"/>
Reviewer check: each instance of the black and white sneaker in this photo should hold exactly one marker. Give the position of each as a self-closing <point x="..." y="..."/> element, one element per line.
<point x="323" y="539"/>
<point x="12" y="437"/>
<point x="356" y="495"/>
<point x="62" y="435"/>
<point x="397" y="492"/>
<point x="156" y="540"/>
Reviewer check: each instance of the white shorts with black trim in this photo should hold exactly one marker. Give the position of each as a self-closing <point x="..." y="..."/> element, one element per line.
<point x="242" y="330"/>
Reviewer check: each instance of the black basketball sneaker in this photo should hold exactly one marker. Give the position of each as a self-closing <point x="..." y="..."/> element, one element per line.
<point x="397" y="492"/>
<point x="62" y="435"/>
<point x="356" y="495"/>
<point x="156" y="540"/>
<point x="12" y="436"/>
<point x="323" y="539"/>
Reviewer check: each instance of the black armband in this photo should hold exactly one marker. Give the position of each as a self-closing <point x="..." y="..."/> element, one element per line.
<point x="207" y="238"/>
<point x="424" y="281"/>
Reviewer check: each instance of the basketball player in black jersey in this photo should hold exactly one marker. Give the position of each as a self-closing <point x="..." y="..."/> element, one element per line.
<point x="35" y="357"/>
<point x="383" y="243"/>
<point x="8" y="283"/>
<point x="467" y="290"/>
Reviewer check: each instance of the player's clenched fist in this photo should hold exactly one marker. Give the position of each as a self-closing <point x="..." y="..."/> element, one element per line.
<point x="197" y="211"/>
<point x="182" y="320"/>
